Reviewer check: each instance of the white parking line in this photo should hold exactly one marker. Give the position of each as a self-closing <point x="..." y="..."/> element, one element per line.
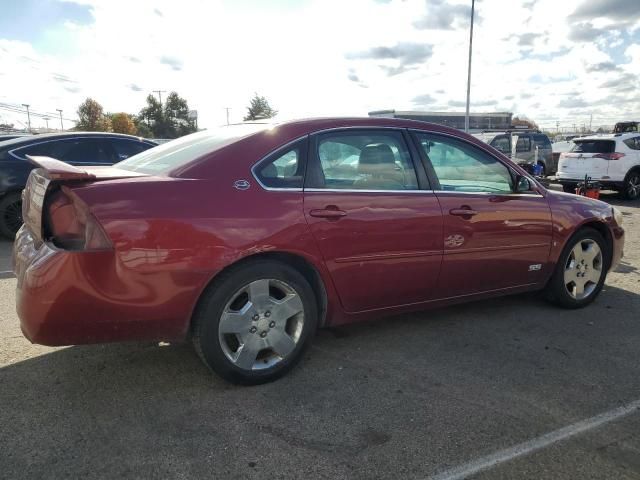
<point x="533" y="445"/>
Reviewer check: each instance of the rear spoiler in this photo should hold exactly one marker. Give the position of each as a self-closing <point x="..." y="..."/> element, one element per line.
<point x="53" y="169"/>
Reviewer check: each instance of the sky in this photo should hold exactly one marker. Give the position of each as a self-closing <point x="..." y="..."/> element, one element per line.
<point x="566" y="61"/>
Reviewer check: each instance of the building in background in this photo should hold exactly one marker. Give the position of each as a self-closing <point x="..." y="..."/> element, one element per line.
<point x="477" y="121"/>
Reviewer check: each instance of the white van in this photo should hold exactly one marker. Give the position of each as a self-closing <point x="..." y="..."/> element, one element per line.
<point x="613" y="160"/>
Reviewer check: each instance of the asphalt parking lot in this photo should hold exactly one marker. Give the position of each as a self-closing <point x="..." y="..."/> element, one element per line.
<point x="445" y="394"/>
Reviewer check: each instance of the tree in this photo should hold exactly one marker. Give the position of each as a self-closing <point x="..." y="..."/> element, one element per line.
<point x="142" y="128"/>
<point x="170" y="120"/>
<point x="123" y="123"/>
<point x="92" y="118"/>
<point x="176" y="114"/>
<point x="259" y="108"/>
<point x="6" y="127"/>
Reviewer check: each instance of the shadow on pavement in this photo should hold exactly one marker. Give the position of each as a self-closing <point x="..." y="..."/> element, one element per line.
<point x="397" y="396"/>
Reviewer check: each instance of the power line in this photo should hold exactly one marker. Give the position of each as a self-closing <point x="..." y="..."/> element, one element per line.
<point x="16" y="109"/>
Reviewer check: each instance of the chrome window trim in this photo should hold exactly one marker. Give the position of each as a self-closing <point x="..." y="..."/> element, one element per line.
<point x="358" y="190"/>
<point x="501" y="194"/>
<point x="273" y="152"/>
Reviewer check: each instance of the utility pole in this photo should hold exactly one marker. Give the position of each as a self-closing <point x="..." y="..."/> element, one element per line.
<point x="227" y="109"/>
<point x="557" y="126"/>
<point x="46" y="119"/>
<point x="159" y="92"/>
<point x="466" y="117"/>
<point x="590" y="123"/>
<point x="61" y="125"/>
<point x="28" y="115"/>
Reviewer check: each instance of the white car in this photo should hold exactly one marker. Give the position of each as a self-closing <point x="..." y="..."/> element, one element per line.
<point x="612" y="160"/>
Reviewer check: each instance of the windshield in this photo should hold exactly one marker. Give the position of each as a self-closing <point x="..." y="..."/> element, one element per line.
<point x="593" y="146"/>
<point x="181" y="151"/>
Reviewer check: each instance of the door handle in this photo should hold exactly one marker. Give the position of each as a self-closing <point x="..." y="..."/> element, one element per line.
<point x="463" y="212"/>
<point x="332" y="213"/>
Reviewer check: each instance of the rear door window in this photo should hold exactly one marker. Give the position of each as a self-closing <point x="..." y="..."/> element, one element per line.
<point x="80" y="151"/>
<point x="593" y="146"/>
<point x="364" y="160"/>
<point x="87" y="151"/>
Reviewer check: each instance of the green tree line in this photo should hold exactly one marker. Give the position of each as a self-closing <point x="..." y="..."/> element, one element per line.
<point x="169" y="119"/>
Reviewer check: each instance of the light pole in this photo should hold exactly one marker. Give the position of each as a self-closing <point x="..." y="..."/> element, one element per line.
<point x="46" y="119"/>
<point x="466" y="117"/>
<point x="28" y="115"/>
<point x="61" y="125"/>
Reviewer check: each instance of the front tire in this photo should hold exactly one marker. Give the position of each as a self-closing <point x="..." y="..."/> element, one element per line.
<point x="255" y="321"/>
<point x="10" y="215"/>
<point x="580" y="272"/>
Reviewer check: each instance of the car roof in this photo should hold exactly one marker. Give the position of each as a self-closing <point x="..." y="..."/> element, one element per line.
<point x="316" y="124"/>
<point x="60" y="136"/>
<point x="608" y="136"/>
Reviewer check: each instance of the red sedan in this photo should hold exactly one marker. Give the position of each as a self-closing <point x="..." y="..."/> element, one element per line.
<point x="249" y="237"/>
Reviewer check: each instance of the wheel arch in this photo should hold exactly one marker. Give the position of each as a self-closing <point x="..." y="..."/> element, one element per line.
<point x="603" y="230"/>
<point x="634" y="169"/>
<point x="308" y="270"/>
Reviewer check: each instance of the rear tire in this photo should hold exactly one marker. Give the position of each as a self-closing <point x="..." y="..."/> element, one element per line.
<point x="631" y="189"/>
<point x="10" y="215"/>
<point x="581" y="270"/>
<point x="568" y="188"/>
<point x="255" y="321"/>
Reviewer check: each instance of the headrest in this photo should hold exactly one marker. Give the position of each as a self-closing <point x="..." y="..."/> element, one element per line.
<point x="376" y="157"/>
<point x="270" y="171"/>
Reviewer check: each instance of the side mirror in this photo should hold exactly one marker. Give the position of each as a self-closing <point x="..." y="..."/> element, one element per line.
<point x="522" y="184"/>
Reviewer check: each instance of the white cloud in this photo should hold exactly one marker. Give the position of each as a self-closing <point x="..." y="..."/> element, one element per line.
<point x="321" y="57"/>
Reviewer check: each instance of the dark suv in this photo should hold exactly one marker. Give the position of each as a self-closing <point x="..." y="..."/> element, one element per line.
<point x="526" y="143"/>
<point x="80" y="148"/>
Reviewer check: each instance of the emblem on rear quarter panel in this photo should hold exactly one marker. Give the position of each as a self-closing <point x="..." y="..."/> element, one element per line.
<point x="241" y="184"/>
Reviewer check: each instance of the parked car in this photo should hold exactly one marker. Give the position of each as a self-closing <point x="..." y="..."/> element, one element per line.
<point x="627" y="127"/>
<point x="613" y="160"/>
<point x="243" y="240"/>
<point x="78" y="148"/>
<point x="526" y="143"/>
<point x="559" y="147"/>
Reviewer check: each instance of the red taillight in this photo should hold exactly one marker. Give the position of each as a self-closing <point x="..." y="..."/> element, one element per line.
<point x="609" y="156"/>
<point x="71" y="226"/>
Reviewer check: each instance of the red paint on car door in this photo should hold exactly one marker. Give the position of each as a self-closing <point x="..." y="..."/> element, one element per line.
<point x="382" y="249"/>
<point x="493" y="241"/>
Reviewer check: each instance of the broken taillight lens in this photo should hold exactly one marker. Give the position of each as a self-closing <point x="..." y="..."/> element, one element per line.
<point x="70" y="224"/>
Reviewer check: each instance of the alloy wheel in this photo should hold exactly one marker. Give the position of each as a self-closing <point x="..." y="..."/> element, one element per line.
<point x="261" y="324"/>
<point x="13" y="216"/>
<point x="633" y="186"/>
<point x="583" y="269"/>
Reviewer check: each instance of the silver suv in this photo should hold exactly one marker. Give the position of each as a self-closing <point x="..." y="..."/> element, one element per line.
<point x="526" y="142"/>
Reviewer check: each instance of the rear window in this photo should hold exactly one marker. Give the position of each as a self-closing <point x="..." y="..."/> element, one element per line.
<point x="594" y="146"/>
<point x="181" y="151"/>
